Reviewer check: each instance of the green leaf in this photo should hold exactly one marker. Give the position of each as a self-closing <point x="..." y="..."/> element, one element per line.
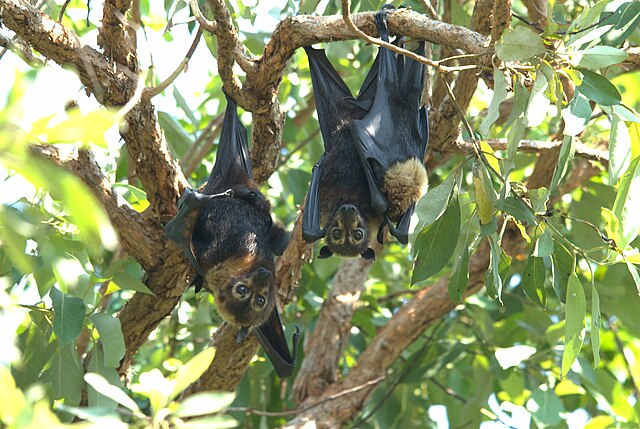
<point x="516" y="134"/>
<point x="484" y="193"/>
<point x="79" y="127"/>
<point x="13" y="229"/>
<point x="575" y="313"/>
<point x="544" y="245"/>
<point x="619" y="149"/>
<point x="96" y="366"/>
<point x="128" y="282"/>
<point x="434" y="203"/>
<point x="68" y="316"/>
<point x="205" y="403"/>
<point x="538" y="102"/>
<point x="111" y="337"/>
<point x="634" y="275"/>
<point x="178" y="139"/>
<point x="596" y="322"/>
<point x="459" y="279"/>
<point x="65" y="375"/>
<point x="435" y="245"/>
<point x="518" y="209"/>
<point x="192" y="370"/>
<point x="627" y="205"/>
<point x="576" y="115"/>
<point x="101" y="385"/>
<point x="567" y="151"/>
<point x="622" y="24"/>
<point x="499" y="95"/>
<point x="598" y="88"/>
<point x="599" y="57"/>
<point x="492" y="279"/>
<point x="519" y="44"/>
<point x="533" y="280"/>
<point x="545" y="407"/>
<point x="563" y="265"/>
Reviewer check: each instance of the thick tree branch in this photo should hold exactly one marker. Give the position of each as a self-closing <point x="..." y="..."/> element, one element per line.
<point x="323" y="346"/>
<point x="137" y="235"/>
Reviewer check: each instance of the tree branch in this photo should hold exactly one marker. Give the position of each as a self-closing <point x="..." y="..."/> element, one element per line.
<point x="137" y="235"/>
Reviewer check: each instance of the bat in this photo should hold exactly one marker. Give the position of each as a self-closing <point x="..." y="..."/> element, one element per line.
<point x="371" y="173"/>
<point x="228" y="235"/>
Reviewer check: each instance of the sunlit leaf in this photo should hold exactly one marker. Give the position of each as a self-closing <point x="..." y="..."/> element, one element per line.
<point x="513" y="356"/>
<point x="533" y="278"/>
<point x="435" y="245"/>
<point x="544" y="245"/>
<point x="627" y="204"/>
<point x="459" y="279"/>
<point x="598" y="88"/>
<point x="96" y="366"/>
<point x="567" y="151"/>
<point x="599" y="57"/>
<point x="545" y="407"/>
<point x="596" y="322"/>
<point x="100" y="384"/>
<point x="434" y="203"/>
<point x="576" y="115"/>
<point x="499" y="95"/>
<point x="204" y="403"/>
<point x="484" y="193"/>
<point x="575" y="313"/>
<point x="68" y="316"/>
<point x="563" y="265"/>
<point x="619" y="149"/>
<point x="65" y="375"/>
<point x="128" y="282"/>
<point x="111" y="337"/>
<point x="634" y="275"/>
<point x="538" y="102"/>
<point x="519" y="44"/>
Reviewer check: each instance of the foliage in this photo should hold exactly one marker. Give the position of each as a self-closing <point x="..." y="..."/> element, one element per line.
<point x="551" y="341"/>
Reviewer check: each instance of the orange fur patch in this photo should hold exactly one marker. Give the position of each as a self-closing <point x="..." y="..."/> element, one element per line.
<point x="405" y="183"/>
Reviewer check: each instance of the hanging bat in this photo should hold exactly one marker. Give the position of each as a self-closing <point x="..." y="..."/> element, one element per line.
<point x="228" y="235"/>
<point x="372" y="173"/>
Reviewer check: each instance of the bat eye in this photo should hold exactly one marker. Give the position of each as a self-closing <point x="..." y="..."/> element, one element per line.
<point x="358" y="234"/>
<point x="261" y="301"/>
<point x="336" y="233"/>
<point x="242" y="289"/>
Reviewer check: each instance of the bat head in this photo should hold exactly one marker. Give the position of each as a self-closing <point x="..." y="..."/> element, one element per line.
<point x="245" y="299"/>
<point x="347" y="234"/>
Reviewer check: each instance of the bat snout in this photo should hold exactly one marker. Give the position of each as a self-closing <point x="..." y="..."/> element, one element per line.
<point x="348" y="208"/>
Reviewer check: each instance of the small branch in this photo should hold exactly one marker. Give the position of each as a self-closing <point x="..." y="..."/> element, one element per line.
<point x="63" y="9"/>
<point x="210" y="26"/>
<point x="346" y="7"/>
<point x="23" y="52"/>
<point x="537" y="146"/>
<point x="152" y="92"/>
<point x="430" y="10"/>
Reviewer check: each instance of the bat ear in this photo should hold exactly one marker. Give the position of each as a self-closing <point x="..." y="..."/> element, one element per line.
<point x="325" y="252"/>
<point x="278" y="239"/>
<point x="369" y="254"/>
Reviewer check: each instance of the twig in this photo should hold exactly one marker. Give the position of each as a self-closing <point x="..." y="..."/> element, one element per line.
<point x="300" y="145"/>
<point x="430" y="10"/>
<point x="346" y="7"/>
<point x="210" y="26"/>
<point x="186" y="159"/>
<point x="197" y="159"/>
<point x="250" y="411"/>
<point x="63" y="9"/>
<point x="152" y="92"/>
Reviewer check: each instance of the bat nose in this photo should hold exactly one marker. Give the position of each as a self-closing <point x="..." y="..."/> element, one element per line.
<point x="348" y="208"/>
<point x="263" y="272"/>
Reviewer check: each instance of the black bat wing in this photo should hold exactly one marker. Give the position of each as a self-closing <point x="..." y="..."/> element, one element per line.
<point x="335" y="106"/>
<point x="395" y="128"/>
<point x="231" y="174"/>
<point x="272" y="339"/>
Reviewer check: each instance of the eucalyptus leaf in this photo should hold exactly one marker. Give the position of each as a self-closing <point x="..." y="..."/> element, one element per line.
<point x="599" y="57"/>
<point x="111" y="338"/>
<point x="68" y="315"/>
<point x="576" y="115"/>
<point x="627" y="204"/>
<point x="619" y="149"/>
<point x="598" y="88"/>
<point x="563" y="265"/>
<point x="499" y="95"/>
<point x="435" y="245"/>
<point x="575" y="313"/>
<point x="596" y="322"/>
<point x="519" y="44"/>
<point x="459" y="279"/>
<point x="533" y="278"/>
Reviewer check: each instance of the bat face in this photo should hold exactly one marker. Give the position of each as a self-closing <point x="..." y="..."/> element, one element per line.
<point x="245" y="300"/>
<point x="347" y="232"/>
